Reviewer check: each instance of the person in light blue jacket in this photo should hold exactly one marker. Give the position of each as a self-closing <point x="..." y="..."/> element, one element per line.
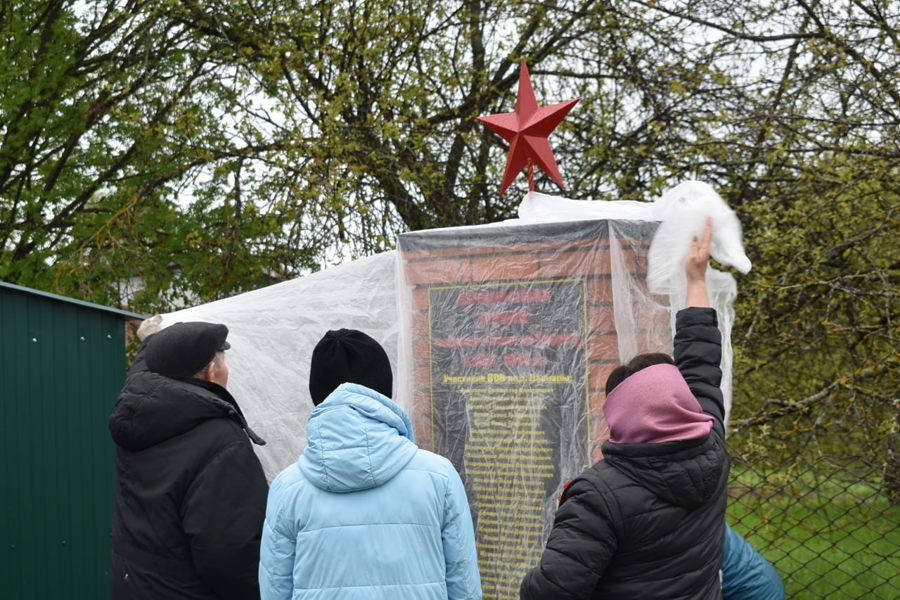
<point x="365" y="513"/>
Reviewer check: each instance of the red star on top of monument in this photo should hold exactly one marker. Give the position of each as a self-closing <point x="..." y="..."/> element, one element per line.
<point x="527" y="131"/>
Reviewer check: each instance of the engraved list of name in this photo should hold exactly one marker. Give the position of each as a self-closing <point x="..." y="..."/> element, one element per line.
<point x="509" y="408"/>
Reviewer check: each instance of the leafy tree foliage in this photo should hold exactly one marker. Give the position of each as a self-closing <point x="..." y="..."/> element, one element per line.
<point x="111" y="112"/>
<point x="175" y="151"/>
<point x="812" y="160"/>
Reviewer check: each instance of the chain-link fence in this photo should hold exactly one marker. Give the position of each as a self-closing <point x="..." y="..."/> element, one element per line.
<point x="823" y="509"/>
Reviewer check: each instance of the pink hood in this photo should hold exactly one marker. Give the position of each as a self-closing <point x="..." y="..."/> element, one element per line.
<point x="655" y="405"/>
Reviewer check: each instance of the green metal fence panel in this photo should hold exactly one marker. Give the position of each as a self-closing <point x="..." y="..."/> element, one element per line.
<point x="63" y="363"/>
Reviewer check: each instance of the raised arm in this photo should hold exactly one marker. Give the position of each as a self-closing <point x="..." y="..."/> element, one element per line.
<point x="695" y="268"/>
<point x="698" y="342"/>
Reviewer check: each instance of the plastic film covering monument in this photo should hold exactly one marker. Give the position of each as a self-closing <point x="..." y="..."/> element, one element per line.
<point x="501" y="337"/>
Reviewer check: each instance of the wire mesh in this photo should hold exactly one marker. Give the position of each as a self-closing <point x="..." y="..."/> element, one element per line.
<point x="829" y="522"/>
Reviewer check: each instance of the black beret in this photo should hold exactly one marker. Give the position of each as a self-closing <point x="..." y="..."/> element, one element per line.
<point x="183" y="349"/>
<point x="348" y="356"/>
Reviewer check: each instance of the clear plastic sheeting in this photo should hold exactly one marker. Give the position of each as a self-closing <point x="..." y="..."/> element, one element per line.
<point x="680" y="213"/>
<point x="512" y="330"/>
<point x="578" y="275"/>
<point x="273" y="331"/>
<point x="509" y="323"/>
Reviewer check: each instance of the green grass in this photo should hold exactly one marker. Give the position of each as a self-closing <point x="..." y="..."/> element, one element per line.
<point x="832" y="541"/>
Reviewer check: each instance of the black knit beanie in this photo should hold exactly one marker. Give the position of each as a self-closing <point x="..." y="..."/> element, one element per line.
<point x="348" y="356"/>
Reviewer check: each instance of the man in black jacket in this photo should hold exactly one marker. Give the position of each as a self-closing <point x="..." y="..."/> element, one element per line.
<point x="648" y="521"/>
<point x="190" y="494"/>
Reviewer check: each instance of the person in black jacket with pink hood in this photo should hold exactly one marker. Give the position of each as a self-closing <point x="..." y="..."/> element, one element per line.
<point x="648" y="520"/>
